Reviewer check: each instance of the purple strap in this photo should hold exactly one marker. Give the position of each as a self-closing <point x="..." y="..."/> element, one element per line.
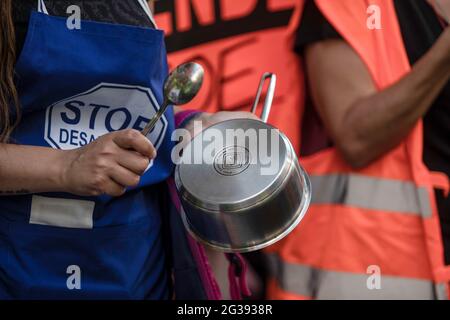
<point x="182" y="116"/>
<point x="237" y="276"/>
<point x="209" y="282"/>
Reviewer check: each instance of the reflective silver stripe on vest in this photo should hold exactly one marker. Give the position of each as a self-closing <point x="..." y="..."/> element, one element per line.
<point x="441" y="291"/>
<point x="329" y="285"/>
<point x="371" y="193"/>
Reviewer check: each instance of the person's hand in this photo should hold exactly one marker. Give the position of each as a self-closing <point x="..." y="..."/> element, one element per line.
<point x="209" y="119"/>
<point x="108" y="165"/>
<point x="192" y="128"/>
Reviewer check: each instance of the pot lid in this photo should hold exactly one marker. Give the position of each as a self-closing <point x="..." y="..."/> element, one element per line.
<point x="233" y="165"/>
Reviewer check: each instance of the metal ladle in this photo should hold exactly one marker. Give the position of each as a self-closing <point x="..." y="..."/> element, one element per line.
<point x="180" y="87"/>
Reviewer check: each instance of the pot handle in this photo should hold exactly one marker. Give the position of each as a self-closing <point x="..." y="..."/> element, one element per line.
<point x="269" y="97"/>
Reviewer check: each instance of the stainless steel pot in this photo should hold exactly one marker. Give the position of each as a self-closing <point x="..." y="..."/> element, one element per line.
<point x="232" y="201"/>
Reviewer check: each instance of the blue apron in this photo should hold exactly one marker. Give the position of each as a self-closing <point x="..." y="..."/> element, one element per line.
<point x="76" y="85"/>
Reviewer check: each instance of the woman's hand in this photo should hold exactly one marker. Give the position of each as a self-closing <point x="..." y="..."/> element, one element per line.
<point x="108" y="165"/>
<point x="209" y="119"/>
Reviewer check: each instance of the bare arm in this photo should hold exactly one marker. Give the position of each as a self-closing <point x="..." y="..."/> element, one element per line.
<point x="106" y="166"/>
<point x="25" y="169"/>
<point x="364" y="123"/>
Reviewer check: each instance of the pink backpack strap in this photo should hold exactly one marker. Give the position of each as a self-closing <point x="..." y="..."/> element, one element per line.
<point x="198" y="252"/>
<point x="237" y="276"/>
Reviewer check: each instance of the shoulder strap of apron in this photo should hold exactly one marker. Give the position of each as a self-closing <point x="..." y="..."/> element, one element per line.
<point x="43" y="9"/>
<point x="148" y="11"/>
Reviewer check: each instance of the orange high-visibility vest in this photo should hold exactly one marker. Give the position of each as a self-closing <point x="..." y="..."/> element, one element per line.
<point x="370" y="233"/>
<point x="236" y="42"/>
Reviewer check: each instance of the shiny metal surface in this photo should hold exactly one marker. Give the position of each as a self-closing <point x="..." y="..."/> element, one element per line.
<point x="214" y="188"/>
<point x="268" y="220"/>
<point x="180" y="87"/>
<point x="269" y="97"/>
<point x="236" y="208"/>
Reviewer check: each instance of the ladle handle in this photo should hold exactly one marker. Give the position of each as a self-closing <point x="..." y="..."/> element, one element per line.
<point x="269" y="97"/>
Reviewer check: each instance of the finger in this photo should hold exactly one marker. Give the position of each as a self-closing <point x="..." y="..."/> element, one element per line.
<point x="112" y="188"/>
<point x="133" y="139"/>
<point x="243" y="115"/>
<point x="133" y="161"/>
<point x="124" y="177"/>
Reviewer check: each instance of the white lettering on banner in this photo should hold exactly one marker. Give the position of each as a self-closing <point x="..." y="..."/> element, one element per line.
<point x="79" y="120"/>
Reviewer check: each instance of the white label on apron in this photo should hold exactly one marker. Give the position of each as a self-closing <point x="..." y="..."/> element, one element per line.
<point x="66" y="213"/>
